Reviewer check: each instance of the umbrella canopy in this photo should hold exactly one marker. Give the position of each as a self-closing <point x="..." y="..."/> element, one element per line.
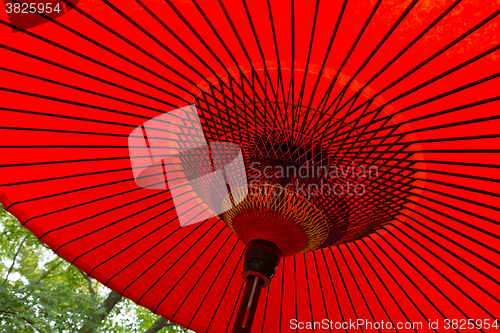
<point x="408" y="88"/>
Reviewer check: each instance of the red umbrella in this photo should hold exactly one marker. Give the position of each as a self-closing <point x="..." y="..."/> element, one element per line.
<point x="399" y="98"/>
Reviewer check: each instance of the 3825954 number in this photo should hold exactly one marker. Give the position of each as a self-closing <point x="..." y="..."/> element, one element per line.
<point x="470" y="324"/>
<point x="24" y="8"/>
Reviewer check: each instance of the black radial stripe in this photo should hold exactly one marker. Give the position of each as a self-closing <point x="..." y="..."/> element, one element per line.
<point x="157" y="41"/>
<point x="265" y="309"/>
<point x="143" y="254"/>
<point x="333" y="286"/>
<point x="276" y="48"/>
<point x="74" y="191"/>
<point x="452" y="241"/>
<point x="477" y="165"/>
<point x="438" y="272"/>
<point x="114" y="223"/>
<point x="474" y="202"/>
<point x="63" y="177"/>
<point x="330" y="44"/>
<point x="496" y="299"/>
<point x="348" y="55"/>
<point x="387" y="118"/>
<point x="309" y="52"/>
<point x="69" y="69"/>
<point x="308" y="288"/>
<point x="160" y="121"/>
<point x="226" y="107"/>
<point x="446" y="139"/>
<point x="406" y="276"/>
<point x="78" y="146"/>
<point x="343" y="125"/>
<point x="266" y="72"/>
<point x="162" y="256"/>
<point x="349" y="126"/>
<point x="88" y="160"/>
<point x="447" y="249"/>
<point x="444" y="49"/>
<point x="459" y="222"/>
<point x="295" y="285"/>
<point x="378" y="110"/>
<point x="156" y="120"/>
<point x="357" y="285"/>
<point x="205" y="44"/>
<point x="460" y="138"/>
<point x="96" y="61"/>
<point x="215" y="279"/>
<point x="291" y="86"/>
<point x="242" y="45"/>
<point x="245" y="106"/>
<point x="134" y="243"/>
<point x="76" y="161"/>
<point x="125" y="232"/>
<point x="282" y="287"/>
<point x="206" y="268"/>
<point x="438" y="113"/>
<point x="370" y="285"/>
<point x="386" y="159"/>
<point x="461" y="151"/>
<point x="221" y="123"/>
<point x="188" y="268"/>
<point x="454" y="69"/>
<point x="233" y="95"/>
<point x="447" y="227"/>
<point x="343" y="283"/>
<point x="102" y="25"/>
<point x="101" y="213"/>
<point x="465" y="122"/>
<point x="407" y="47"/>
<point x="81" y="89"/>
<point x="383" y="283"/>
<point x="65" y="101"/>
<point x="392" y="278"/>
<point x="437" y="54"/>
<point x="166" y="27"/>
<point x="240" y="294"/>
<point x="321" y="287"/>
<point x="91" y="187"/>
<point x="481" y="102"/>
<point x="227" y="49"/>
<point x="372" y="54"/>
<point x="329" y="135"/>
<point x="238" y="264"/>
<point x="434" y="98"/>
<point x="381" y="158"/>
<point x="493" y="221"/>
<point x="381" y="187"/>
<point x="267" y="77"/>
<point x="221" y="131"/>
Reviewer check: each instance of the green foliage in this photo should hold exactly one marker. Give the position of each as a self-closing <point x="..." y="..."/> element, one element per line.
<point x="43" y="307"/>
<point x="41" y="292"/>
<point x="129" y="317"/>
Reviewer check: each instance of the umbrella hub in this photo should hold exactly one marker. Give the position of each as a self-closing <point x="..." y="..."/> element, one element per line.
<point x="282" y="217"/>
<point x="261" y="260"/>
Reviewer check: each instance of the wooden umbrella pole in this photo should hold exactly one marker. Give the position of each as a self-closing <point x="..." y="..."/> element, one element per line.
<point x="248" y="305"/>
<point x="261" y="260"/>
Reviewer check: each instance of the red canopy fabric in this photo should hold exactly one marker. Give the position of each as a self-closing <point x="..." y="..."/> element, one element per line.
<point x="415" y="80"/>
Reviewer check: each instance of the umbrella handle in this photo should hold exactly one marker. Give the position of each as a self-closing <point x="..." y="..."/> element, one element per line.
<point x="261" y="261"/>
<point x="248" y="305"/>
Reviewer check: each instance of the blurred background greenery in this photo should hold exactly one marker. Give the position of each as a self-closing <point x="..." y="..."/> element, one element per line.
<point x="41" y="292"/>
